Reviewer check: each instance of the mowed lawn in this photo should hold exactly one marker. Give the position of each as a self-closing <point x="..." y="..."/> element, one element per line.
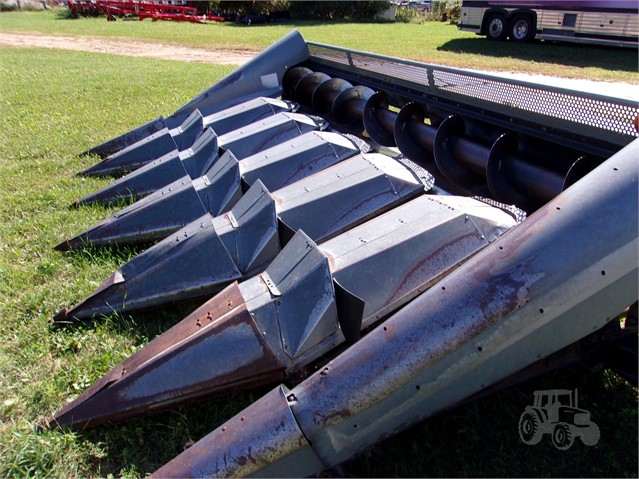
<point x="431" y="42"/>
<point x="55" y="104"/>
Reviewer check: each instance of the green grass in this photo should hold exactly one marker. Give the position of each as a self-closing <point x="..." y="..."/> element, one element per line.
<point x="431" y="42"/>
<point x="53" y="106"/>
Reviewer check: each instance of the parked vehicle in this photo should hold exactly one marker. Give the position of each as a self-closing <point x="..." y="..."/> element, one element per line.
<point x="592" y="21"/>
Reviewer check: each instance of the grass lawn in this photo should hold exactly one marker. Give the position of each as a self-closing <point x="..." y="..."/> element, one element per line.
<point x="56" y="104"/>
<point x="432" y="42"/>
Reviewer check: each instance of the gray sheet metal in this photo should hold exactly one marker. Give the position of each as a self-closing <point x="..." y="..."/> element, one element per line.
<point x="325" y="204"/>
<point x="198" y="264"/>
<point x="275" y="167"/>
<point x="221" y="187"/>
<point x="182" y="138"/>
<point x="261" y="76"/>
<point x="246" y="113"/>
<point x="294" y="303"/>
<point x="346" y="195"/>
<point x="198" y="260"/>
<point x="250" y="231"/>
<point x="126" y="139"/>
<point x="564" y="272"/>
<point x="307" y="154"/>
<point x="248" y="140"/>
<point x="567" y="270"/>
<point x="183" y="201"/>
<point x="388" y="261"/>
<point x="150" y="148"/>
<point x="169" y="168"/>
<point x="151" y="218"/>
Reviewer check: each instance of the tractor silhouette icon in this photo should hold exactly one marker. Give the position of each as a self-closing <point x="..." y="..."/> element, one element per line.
<point x="555" y="412"/>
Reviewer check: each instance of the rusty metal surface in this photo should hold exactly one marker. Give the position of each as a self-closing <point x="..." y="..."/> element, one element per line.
<point x="549" y="282"/>
<point x="385" y="262"/>
<point x="521" y="298"/>
<point x="388" y="261"/>
<point x="481" y="306"/>
<point x="220" y="335"/>
<point x="276" y="446"/>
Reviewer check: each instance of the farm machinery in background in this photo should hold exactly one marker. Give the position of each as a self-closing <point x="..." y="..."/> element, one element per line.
<point x="415" y="235"/>
<point x="179" y="11"/>
<point x="173" y="10"/>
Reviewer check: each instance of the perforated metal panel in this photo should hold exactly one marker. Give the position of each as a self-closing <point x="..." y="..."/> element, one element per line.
<point x="578" y="113"/>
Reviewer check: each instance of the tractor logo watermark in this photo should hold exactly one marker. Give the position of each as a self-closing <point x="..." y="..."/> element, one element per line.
<point x="556" y="412"/>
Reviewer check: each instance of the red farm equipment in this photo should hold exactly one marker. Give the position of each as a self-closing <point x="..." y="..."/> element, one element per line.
<point x="142" y="10"/>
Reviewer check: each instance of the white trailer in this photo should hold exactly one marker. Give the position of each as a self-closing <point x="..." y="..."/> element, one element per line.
<point x="598" y="22"/>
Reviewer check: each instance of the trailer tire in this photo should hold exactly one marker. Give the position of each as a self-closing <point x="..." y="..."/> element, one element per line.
<point x="521" y="29"/>
<point x="496" y="27"/>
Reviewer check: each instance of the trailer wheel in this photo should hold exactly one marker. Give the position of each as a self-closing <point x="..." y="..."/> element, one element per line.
<point x="521" y="28"/>
<point x="496" y="28"/>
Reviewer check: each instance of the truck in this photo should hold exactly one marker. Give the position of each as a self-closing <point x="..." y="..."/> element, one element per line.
<point x="595" y="22"/>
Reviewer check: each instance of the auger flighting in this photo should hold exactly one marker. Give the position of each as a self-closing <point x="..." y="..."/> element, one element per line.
<point x="487" y="228"/>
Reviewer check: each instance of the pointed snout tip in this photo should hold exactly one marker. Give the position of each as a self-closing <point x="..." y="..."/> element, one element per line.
<point x="63" y="246"/>
<point x="62" y="317"/>
<point x="45" y="424"/>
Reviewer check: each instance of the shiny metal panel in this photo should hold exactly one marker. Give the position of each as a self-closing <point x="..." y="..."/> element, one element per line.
<point x="248" y="140"/>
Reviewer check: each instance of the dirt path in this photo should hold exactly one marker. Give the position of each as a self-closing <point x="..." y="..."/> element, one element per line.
<point x="126" y="47"/>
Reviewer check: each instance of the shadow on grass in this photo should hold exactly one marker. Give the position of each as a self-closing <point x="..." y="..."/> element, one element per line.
<point x="608" y="58"/>
<point x="141" y="446"/>
<point x="64" y="14"/>
<point x="481" y="439"/>
<point x="140" y="326"/>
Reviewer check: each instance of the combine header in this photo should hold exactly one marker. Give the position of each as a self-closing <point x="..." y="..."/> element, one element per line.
<point x="417" y="235"/>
